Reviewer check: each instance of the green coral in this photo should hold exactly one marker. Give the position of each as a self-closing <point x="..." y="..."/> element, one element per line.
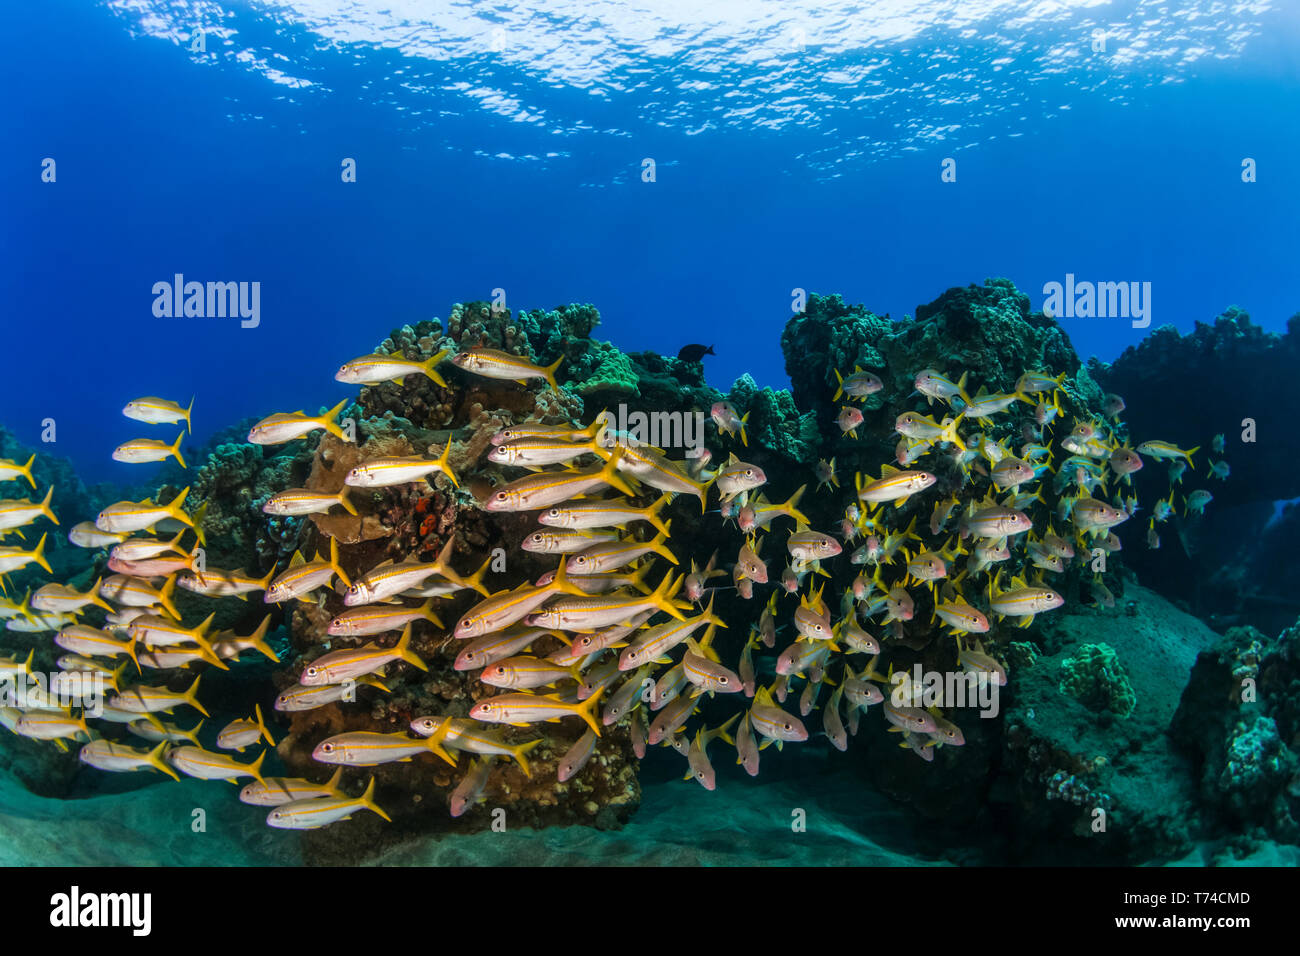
<point x="774" y="422"/>
<point x="1095" y="677"/>
<point x="600" y="367"/>
<point x="553" y="332"/>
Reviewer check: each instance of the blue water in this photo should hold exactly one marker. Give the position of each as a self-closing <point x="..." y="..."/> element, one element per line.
<point x="778" y="166"/>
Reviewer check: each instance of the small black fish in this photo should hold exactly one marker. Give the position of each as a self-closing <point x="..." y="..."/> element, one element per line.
<point x="693" y="353"/>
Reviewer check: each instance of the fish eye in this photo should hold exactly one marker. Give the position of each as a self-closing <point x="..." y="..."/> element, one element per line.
<point x="789" y="726"/>
<point x="327" y="748"/>
<point x="501" y="496"/>
<point x="537" y="537"/>
<point x="553" y="513"/>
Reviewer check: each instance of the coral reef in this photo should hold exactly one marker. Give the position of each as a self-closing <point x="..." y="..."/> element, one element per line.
<point x="1098" y="732"/>
<point x="1097" y="679"/>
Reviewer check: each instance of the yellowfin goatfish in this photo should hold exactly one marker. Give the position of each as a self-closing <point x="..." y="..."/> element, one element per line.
<point x="349" y="663"/>
<point x="697" y="757"/>
<point x="491" y="363"/>
<point x="540" y="450"/>
<point x="365" y="749"/>
<point x="142" y="699"/>
<point x="372" y="369"/>
<point x="773" y="723"/>
<point x="606" y="556"/>
<point x="275" y="791"/>
<point x="286" y="426"/>
<point x="217" y="582"/>
<point x="471" y="737"/>
<point x="893" y="485"/>
<point x="385" y="472"/>
<point x="206" y="765"/>
<point x="470" y="790"/>
<point x="728" y="422"/>
<point x="302" y="577"/>
<point x="19" y="512"/>
<point x="12" y="471"/>
<point x="245" y="732"/>
<point x="300" y="501"/>
<point x="144" y="450"/>
<point x="363" y="621"/>
<point x="651" y="466"/>
<point x="139" y="515"/>
<point x="1164" y="449"/>
<point x="117" y="758"/>
<point x="552" y="488"/>
<point x="576" y="757"/>
<point x="738" y="476"/>
<point x="859" y="384"/>
<point x="318" y="812"/>
<point x="509" y="607"/>
<point x="1021" y="600"/>
<point x="522" y="709"/>
<point x="590" y="612"/>
<point x="922" y="428"/>
<point x="81" y="639"/>
<point x="158" y="411"/>
<point x="58" y="598"/>
<point x="609" y="513"/>
<point x="86" y="535"/>
<point x="12" y="559"/>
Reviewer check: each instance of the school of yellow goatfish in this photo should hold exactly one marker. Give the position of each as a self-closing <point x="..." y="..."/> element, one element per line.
<point x="634" y="627"/>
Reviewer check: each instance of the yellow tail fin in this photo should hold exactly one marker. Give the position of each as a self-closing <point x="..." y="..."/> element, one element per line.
<point x="261" y="725"/>
<point x="609" y="474"/>
<point x="368" y="801"/>
<point x="660" y="545"/>
<point x="429" y="368"/>
<point x="587" y="710"/>
<point x="45" y="506"/>
<point x="155" y="760"/>
<point x="434" y="741"/>
<point x="257" y="640"/>
<point x="192" y="698"/>
<point x="662" y="596"/>
<point x="334" y="563"/>
<point x="176" y="449"/>
<point x="255" y="768"/>
<point x="403" y="650"/>
<point x="38" y="555"/>
<point x="327" y="422"/>
<point x="652" y="513"/>
<point x="518" y="754"/>
<point x="346" y="502"/>
<point x="550" y="371"/>
<point x="443" y="465"/>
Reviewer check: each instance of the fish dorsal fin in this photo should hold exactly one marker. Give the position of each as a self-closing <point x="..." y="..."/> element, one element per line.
<point x="297" y="560"/>
<point x="887" y="470"/>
